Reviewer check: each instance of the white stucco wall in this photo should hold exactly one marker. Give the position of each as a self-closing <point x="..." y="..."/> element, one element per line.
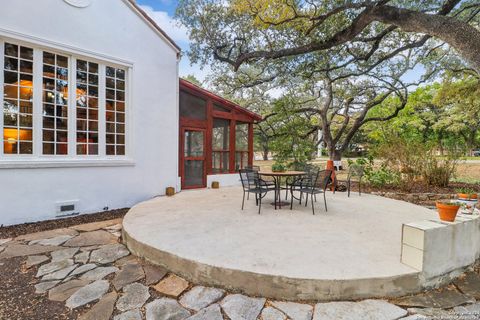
<point x="226" y="180"/>
<point x="107" y="28"/>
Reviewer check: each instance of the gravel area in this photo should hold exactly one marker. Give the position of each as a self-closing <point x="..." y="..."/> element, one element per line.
<point x="26" y="228"/>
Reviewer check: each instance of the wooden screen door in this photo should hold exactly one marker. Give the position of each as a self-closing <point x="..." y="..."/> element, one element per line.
<point x="193" y="159"/>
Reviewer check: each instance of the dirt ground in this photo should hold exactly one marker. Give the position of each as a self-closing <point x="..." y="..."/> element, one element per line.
<point x="21" y="229"/>
<point x="468" y="171"/>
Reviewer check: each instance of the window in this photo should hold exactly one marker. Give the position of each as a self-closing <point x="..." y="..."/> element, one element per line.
<point x="87" y="108"/>
<point x="241" y="145"/>
<point x="115" y="111"/>
<point x="192" y="107"/>
<point x="18" y="100"/>
<point x="220" y="146"/>
<point x="217" y="107"/>
<point x="54" y="104"/>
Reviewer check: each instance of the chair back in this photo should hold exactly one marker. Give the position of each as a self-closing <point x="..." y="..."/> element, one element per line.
<point x="244" y="178"/>
<point x="253" y="168"/>
<point x="324" y="178"/>
<point x="355" y="170"/>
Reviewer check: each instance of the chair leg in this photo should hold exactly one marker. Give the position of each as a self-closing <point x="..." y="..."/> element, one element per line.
<point x="248" y="196"/>
<point x="259" y="204"/>
<point x="291" y="197"/>
<point x="313" y="206"/>
<point x="243" y="200"/>
<point x="325" y="200"/>
<point x="300" y="198"/>
<point x="315" y="197"/>
<point x="306" y="200"/>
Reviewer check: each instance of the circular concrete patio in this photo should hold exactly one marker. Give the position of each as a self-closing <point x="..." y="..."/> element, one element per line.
<point x="350" y="252"/>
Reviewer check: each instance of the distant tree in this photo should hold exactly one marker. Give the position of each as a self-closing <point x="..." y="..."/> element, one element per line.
<point x="250" y="31"/>
<point x="191" y="78"/>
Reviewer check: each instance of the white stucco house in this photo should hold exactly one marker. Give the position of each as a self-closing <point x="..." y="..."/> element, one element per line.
<point x="95" y="117"/>
<point x="90" y="91"/>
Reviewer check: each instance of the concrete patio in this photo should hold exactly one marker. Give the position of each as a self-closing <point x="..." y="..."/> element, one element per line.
<point x="352" y="251"/>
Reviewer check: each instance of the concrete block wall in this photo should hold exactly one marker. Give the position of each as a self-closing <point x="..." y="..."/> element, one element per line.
<point x="437" y="247"/>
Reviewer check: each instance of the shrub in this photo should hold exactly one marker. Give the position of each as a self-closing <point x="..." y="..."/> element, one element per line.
<point x="377" y="177"/>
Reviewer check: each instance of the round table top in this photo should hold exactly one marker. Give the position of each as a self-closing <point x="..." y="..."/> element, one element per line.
<point x="281" y="174"/>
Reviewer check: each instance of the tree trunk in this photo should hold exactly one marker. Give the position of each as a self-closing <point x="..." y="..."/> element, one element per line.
<point x="458" y="34"/>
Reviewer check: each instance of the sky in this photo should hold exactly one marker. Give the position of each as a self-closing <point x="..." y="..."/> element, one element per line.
<point x="162" y="12"/>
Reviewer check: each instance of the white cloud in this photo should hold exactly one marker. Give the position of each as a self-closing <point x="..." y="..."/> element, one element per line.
<point x="177" y="32"/>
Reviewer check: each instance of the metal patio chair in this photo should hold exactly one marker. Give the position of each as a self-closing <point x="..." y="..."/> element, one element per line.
<point x="252" y="183"/>
<point x="355" y="171"/>
<point x="317" y="184"/>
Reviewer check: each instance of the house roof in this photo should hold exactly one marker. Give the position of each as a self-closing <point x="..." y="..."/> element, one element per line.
<point x="153" y="24"/>
<point x="219" y="99"/>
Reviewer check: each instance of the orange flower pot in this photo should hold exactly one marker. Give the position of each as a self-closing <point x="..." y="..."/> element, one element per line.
<point x="466" y="196"/>
<point x="447" y="212"/>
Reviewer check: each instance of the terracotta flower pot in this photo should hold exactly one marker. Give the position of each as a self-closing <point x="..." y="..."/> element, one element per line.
<point x="447" y="212"/>
<point x="466" y="196"/>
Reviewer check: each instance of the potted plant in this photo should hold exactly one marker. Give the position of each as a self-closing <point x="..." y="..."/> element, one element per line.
<point x="447" y="210"/>
<point x="467" y="194"/>
<point x="278" y="167"/>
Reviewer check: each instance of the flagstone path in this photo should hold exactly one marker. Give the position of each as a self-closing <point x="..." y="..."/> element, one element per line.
<point x="85" y="272"/>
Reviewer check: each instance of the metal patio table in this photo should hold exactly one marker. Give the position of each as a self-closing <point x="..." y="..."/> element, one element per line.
<point x="277" y="179"/>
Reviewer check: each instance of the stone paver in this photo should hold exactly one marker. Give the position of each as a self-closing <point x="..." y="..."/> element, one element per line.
<point x="200" y="297"/>
<point x="365" y="310"/>
<point x="154" y="274"/>
<point x="43" y="287"/>
<point x="166" y="309"/>
<point x="64" y="254"/>
<point x="470" y="309"/>
<point x="446" y="298"/>
<point x="134" y="296"/>
<point x="415" y="317"/>
<point x="21" y="250"/>
<point x="4" y="241"/>
<point x="82" y="257"/>
<point x="295" y="311"/>
<point x="125" y="260"/>
<point x="270" y="313"/>
<point x="129" y="315"/>
<point x="98" y="273"/>
<point x="47" y="234"/>
<point x="88" y="294"/>
<point x="172" y="286"/>
<point x="60" y="274"/>
<point x="103" y="309"/>
<point x="55" y="241"/>
<point x="108" y="253"/>
<point x="469" y="284"/>
<point x="212" y="312"/>
<point x="129" y="273"/>
<point x="65" y="290"/>
<point x="96" y="225"/>
<point x="99" y="237"/>
<point x="83" y="268"/>
<point x="240" y="307"/>
<point x="35" y="260"/>
<point x="53" y="266"/>
<point x="435" y="313"/>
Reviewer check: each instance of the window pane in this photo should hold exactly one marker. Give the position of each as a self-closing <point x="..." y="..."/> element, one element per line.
<point x="193" y="144"/>
<point x="17" y="105"/>
<point x="55" y="108"/>
<point x="115" y="102"/>
<point x="241" y="136"/>
<point x="192" y="107"/>
<point x="217" y="107"/>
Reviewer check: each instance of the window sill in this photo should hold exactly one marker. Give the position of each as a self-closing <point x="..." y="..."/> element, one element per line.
<point x="64" y="163"/>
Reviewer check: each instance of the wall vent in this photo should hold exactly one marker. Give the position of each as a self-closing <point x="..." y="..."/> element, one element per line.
<point x="67" y="208"/>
